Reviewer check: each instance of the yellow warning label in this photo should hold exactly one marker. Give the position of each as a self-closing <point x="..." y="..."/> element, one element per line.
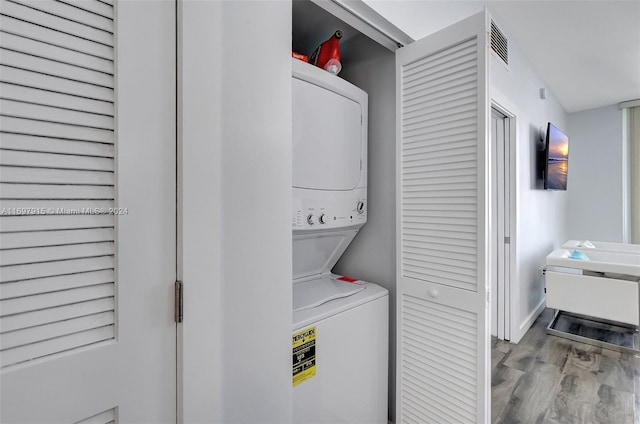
<point x="304" y="355"/>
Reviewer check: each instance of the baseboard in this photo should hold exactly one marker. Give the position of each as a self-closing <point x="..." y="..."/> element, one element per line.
<point x="529" y="320"/>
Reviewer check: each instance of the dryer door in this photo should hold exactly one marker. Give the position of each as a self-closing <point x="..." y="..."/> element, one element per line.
<point x="327" y="139"/>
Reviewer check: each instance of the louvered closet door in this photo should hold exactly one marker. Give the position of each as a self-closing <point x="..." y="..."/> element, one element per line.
<point x="443" y="349"/>
<point x="87" y="202"/>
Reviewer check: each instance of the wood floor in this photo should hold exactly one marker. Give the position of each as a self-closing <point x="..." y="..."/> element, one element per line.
<point x="547" y="379"/>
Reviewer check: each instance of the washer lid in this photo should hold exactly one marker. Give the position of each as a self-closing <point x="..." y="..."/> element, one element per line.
<point x="314" y="315"/>
<point x="312" y="293"/>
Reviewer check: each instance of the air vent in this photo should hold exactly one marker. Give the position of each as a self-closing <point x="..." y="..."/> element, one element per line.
<point x="499" y="43"/>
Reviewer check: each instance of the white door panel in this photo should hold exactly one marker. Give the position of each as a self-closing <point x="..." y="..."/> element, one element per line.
<point x="500" y="293"/>
<point x="86" y="296"/>
<point x="442" y="226"/>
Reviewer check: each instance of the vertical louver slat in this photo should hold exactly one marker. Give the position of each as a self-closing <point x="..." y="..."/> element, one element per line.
<point x="12" y="224"/>
<point x="441" y="154"/>
<point x="44" y="191"/>
<point x="29" y="11"/>
<point x="53" y="176"/>
<point x="28" y="110"/>
<point x="54" y="53"/>
<point x="59" y="314"/>
<point x="56" y="268"/>
<point x="56" y="161"/>
<point x="98" y="7"/>
<point x="10" y="124"/>
<point x="52" y="79"/>
<point x="57" y="183"/>
<point x="15" y="26"/>
<point x="439" y="362"/>
<point x="439" y="166"/>
<point x="61" y="100"/>
<point x="71" y="13"/>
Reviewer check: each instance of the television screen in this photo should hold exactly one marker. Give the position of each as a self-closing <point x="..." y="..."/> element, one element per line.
<point x="557" y="155"/>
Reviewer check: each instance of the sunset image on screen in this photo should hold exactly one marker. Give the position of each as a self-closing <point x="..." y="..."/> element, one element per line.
<point x="557" y="165"/>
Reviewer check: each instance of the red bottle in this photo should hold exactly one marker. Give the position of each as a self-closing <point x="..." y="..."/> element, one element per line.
<point x="327" y="55"/>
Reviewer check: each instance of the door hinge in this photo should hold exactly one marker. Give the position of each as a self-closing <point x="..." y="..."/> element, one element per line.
<point x="179" y="302"/>
<point x="507" y="240"/>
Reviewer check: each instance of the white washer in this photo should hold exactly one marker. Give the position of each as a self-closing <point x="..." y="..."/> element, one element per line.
<point x="351" y="360"/>
<point x="340" y="325"/>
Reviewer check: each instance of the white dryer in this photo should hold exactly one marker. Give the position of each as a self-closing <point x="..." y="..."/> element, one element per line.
<point x="340" y="325"/>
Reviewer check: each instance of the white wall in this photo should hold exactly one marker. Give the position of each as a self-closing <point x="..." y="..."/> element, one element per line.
<point x="256" y="210"/>
<point x="540" y="215"/>
<point x="371" y="256"/>
<point x="595" y="176"/>
<point x="236" y="183"/>
<point x="199" y="220"/>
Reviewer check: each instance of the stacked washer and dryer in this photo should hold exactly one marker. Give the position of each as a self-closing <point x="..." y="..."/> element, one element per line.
<point x="340" y="325"/>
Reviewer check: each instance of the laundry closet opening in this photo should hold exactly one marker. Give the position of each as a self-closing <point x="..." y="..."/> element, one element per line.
<point x="371" y="67"/>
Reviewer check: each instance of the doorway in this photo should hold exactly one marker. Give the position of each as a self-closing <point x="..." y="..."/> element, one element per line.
<point x="502" y="137"/>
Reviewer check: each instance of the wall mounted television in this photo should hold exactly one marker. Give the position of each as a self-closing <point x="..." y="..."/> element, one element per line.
<point x="556" y="159"/>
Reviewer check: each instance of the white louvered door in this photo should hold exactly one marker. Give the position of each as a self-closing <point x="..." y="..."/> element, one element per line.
<point x="442" y="227"/>
<point x="87" y="201"/>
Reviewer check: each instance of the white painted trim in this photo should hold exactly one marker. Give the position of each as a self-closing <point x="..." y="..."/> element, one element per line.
<point x="200" y="227"/>
<point x="511" y="109"/>
<point x="634" y="174"/>
<point x="499" y="106"/>
<point x="504" y="106"/>
<point x="179" y="215"/>
<point x="629" y="104"/>
<point x="513" y="221"/>
<point x="366" y="20"/>
<point x="529" y="320"/>
<point x="626" y="175"/>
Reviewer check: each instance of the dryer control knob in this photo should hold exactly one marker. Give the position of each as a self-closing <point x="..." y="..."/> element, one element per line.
<point x="311" y="219"/>
<point x="360" y="207"/>
<point x="323" y="219"/>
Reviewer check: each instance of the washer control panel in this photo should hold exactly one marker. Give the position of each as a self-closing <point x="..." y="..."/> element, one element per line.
<point x="318" y="213"/>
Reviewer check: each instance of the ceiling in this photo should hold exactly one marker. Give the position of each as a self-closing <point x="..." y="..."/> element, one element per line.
<point x="588" y="52"/>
